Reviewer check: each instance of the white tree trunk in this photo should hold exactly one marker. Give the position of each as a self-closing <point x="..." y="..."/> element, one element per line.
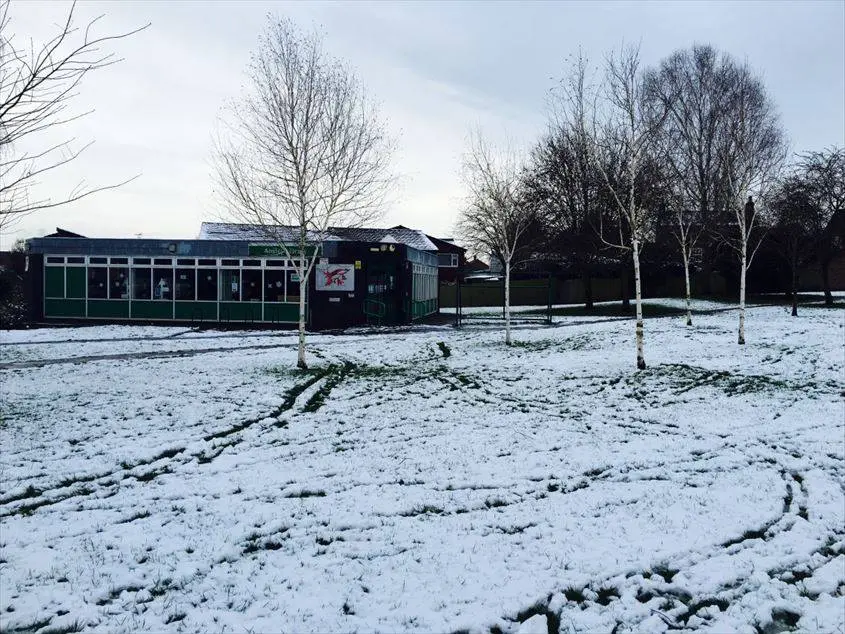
<point x="639" y="303"/>
<point x="742" y="270"/>
<point x="686" y="277"/>
<point x="507" y="301"/>
<point x="300" y="359"/>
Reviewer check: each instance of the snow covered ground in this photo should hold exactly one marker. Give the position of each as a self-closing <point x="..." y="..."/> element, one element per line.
<point x="431" y="480"/>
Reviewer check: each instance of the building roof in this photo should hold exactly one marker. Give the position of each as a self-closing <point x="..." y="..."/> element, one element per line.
<point x="255" y="233"/>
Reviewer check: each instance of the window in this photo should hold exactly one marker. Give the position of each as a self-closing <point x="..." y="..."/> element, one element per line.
<point x="447" y="260"/>
<point x="163" y="261"/>
<point x="231" y="263"/>
<point x="276" y="263"/>
<point x="186" y="261"/>
<point x="274" y="286"/>
<point x="52" y="259"/>
<point x="207" y="262"/>
<point x="251" y="285"/>
<point x="185" y="284"/>
<point x="120" y="260"/>
<point x="98" y="260"/>
<point x="293" y="286"/>
<point x="76" y="260"/>
<point x="141" y="285"/>
<point x="163" y="284"/>
<point x="252" y="263"/>
<point x="230" y="285"/>
<point x="97" y="282"/>
<point x="207" y="285"/>
<point x="140" y="260"/>
<point x="119" y="283"/>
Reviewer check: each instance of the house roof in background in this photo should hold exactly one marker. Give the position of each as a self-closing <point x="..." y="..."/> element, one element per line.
<point x="255" y="233"/>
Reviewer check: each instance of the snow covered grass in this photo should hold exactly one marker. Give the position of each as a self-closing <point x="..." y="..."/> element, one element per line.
<point x="431" y="480"/>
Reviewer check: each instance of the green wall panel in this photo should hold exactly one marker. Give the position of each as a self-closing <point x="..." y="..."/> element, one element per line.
<point x="64" y="308"/>
<point x="152" y="310"/>
<point x="240" y="311"/>
<point x="108" y="309"/>
<point x="196" y="311"/>
<point x="54" y="281"/>
<point x="281" y="313"/>
<point x="75" y="281"/>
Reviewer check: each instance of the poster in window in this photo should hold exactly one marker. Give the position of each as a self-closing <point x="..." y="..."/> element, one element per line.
<point x="335" y="277"/>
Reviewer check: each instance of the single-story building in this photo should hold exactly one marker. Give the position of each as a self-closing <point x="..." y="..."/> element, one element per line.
<point x="231" y="274"/>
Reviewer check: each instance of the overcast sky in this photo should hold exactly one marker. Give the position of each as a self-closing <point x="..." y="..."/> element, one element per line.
<point x="438" y="69"/>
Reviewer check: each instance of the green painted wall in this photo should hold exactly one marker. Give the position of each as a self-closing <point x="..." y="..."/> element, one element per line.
<point x="281" y="313"/>
<point x="108" y="309"/>
<point x="152" y="310"/>
<point x="64" y="308"/>
<point x="240" y="311"/>
<point x="196" y="311"/>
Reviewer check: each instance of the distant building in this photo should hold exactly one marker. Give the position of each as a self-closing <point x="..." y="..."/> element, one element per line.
<point x="232" y="274"/>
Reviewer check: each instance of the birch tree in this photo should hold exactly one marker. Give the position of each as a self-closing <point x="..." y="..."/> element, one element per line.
<point x="626" y="127"/>
<point x="304" y="149"/>
<point x="753" y="150"/>
<point x="38" y="84"/>
<point x="495" y="218"/>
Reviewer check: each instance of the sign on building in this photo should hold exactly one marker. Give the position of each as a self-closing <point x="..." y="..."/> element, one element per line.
<point x="335" y="277"/>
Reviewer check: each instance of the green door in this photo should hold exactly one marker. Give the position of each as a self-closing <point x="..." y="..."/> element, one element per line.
<point x="380" y="300"/>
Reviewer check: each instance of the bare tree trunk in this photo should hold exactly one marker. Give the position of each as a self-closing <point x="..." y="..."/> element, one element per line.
<point x="303" y="283"/>
<point x="686" y="278"/>
<point x="588" y="290"/>
<point x="742" y="271"/>
<point x="639" y="304"/>
<point x="507" y="301"/>
<point x="828" y="297"/>
<point x="795" y="289"/>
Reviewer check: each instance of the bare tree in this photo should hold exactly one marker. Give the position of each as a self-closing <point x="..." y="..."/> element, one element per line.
<point x="824" y="174"/>
<point x="621" y="130"/>
<point x="303" y="150"/>
<point x="795" y="225"/>
<point x="753" y="150"/>
<point x="37" y="86"/>
<point x="495" y="218"/>
<point x="695" y="86"/>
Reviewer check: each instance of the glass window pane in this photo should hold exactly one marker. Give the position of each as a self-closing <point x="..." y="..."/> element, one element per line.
<point x="207" y="262"/>
<point x="252" y="263"/>
<point x="163" y="284"/>
<point x="141" y="286"/>
<point x="76" y="260"/>
<point x="54" y="259"/>
<point x="185" y="283"/>
<point x="207" y="285"/>
<point x="293" y="287"/>
<point x="98" y="260"/>
<point x="274" y="286"/>
<point x="279" y="263"/>
<point x="120" y="260"/>
<point x="119" y="283"/>
<point x="252" y="285"/>
<point x="141" y="260"/>
<point x="186" y="261"/>
<point x="97" y="282"/>
<point x="164" y="261"/>
<point x="230" y="285"/>
<point x="231" y="262"/>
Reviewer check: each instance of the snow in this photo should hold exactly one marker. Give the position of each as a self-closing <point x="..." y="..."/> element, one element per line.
<point x="155" y="479"/>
